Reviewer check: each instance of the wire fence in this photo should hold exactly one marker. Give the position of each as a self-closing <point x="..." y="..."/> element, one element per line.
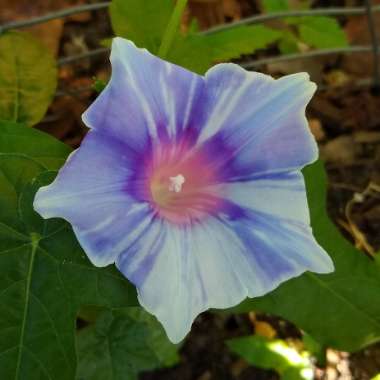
<point x="367" y="10"/>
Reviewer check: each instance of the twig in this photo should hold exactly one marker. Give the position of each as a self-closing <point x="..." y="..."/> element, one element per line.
<point x="338" y="11"/>
<point x="247" y="65"/>
<point x="345" y="186"/>
<point x="366" y="82"/>
<point x="300" y="13"/>
<point x="359" y="197"/>
<point x="52" y="16"/>
<point x="78" y="57"/>
<point x="309" y="54"/>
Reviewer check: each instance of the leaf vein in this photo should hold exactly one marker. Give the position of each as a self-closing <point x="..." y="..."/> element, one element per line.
<point x="27" y="295"/>
<point x="53" y="325"/>
<point x="345" y="301"/>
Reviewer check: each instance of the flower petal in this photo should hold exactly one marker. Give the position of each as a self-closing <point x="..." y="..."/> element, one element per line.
<point x="89" y="192"/>
<point x="180" y="272"/>
<point x="280" y="195"/>
<point x="146" y="97"/>
<point x="279" y="251"/>
<point x="260" y="119"/>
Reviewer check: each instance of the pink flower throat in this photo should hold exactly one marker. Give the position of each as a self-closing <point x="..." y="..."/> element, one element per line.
<point x="181" y="185"/>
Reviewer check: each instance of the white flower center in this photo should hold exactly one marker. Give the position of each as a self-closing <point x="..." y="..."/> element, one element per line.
<point x="176" y="183"/>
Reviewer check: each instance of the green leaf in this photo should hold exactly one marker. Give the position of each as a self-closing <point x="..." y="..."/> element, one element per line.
<point x="234" y="42"/>
<point x="121" y="344"/>
<point x="288" y="43"/>
<point x="198" y="52"/>
<point x="194" y="51"/>
<point x="275" y="5"/>
<point x="28" y="78"/>
<point x="320" y="32"/>
<point x="315" y="349"/>
<point x="143" y="22"/>
<point x="316" y="31"/>
<point x="165" y="351"/>
<point x="99" y="85"/>
<point x="172" y="28"/>
<point x="337" y="309"/>
<point x="377" y="258"/>
<point x="191" y="52"/>
<point x="31" y="143"/>
<point x="45" y="276"/>
<point x="273" y="354"/>
<point x="271" y="6"/>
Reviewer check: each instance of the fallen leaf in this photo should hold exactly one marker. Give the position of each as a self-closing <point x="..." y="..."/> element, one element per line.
<point x="265" y="330"/>
<point x="317" y="130"/>
<point x="49" y="33"/>
<point x="339" y="150"/>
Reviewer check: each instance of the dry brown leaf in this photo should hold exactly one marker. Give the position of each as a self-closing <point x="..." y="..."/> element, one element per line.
<point x="316" y="129"/>
<point x="238" y="367"/>
<point x="312" y="66"/>
<point x="205" y="376"/>
<point x="336" y="78"/>
<point x="265" y="330"/>
<point x="49" y="33"/>
<point x="213" y="12"/>
<point x="232" y="9"/>
<point x="339" y="150"/>
<point x="358" y="33"/>
<point x="207" y="12"/>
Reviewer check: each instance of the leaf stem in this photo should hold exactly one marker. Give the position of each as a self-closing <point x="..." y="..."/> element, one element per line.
<point x="171" y="29"/>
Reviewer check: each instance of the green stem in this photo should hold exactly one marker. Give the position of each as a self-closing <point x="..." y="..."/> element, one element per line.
<point x="171" y="29"/>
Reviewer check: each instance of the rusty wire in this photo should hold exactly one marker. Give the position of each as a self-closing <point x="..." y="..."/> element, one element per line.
<point x="375" y="44"/>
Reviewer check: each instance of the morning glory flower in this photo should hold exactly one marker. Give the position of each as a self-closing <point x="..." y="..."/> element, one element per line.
<point x="191" y="184"/>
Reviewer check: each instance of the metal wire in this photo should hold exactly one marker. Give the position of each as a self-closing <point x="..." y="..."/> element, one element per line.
<point x="349" y="11"/>
<point x="53" y="15"/>
<point x="375" y="45"/>
<point x="340" y="11"/>
<point x="309" y="54"/>
<point x="78" y="57"/>
<point x="247" y="65"/>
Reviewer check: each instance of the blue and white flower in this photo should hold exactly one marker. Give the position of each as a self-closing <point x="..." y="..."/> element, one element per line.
<point x="192" y="184"/>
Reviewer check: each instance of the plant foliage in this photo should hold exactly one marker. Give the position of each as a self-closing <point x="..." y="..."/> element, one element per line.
<point x="45" y="277"/>
<point x="28" y="78"/>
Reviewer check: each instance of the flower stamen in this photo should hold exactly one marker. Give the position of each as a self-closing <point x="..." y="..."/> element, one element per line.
<point x="176" y="183"/>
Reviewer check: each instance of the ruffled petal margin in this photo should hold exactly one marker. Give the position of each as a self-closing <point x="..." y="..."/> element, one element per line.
<point x="89" y="192"/>
<point x="259" y="119"/>
<point x="181" y="272"/>
<point x="147" y="99"/>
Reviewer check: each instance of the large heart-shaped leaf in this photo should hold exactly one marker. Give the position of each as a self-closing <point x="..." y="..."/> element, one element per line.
<point x="45" y="275"/>
<point x="339" y="309"/>
<point x="121" y="344"/>
<point x="28" y="78"/>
